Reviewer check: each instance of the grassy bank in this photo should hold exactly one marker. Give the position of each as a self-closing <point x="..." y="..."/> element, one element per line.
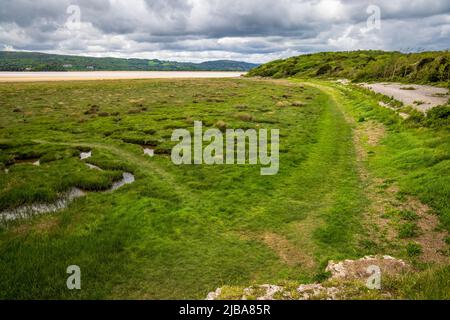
<point x="426" y="67"/>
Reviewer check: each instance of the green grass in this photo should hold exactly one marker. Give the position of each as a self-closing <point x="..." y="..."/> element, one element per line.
<point x="415" y="156"/>
<point x="182" y="231"/>
<point x="408" y="230"/>
<point x="431" y="284"/>
<point x="413" y="249"/>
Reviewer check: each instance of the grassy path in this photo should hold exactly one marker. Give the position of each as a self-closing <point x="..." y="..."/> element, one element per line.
<point x="384" y="217"/>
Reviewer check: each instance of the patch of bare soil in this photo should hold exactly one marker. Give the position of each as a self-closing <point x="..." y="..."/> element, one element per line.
<point x="430" y="238"/>
<point x="370" y="133"/>
<point x="287" y="252"/>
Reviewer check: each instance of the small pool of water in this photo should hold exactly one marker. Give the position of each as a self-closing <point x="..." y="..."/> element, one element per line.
<point x="63" y="202"/>
<point x="128" y="178"/>
<point x="92" y="166"/>
<point x="85" y="155"/>
<point x="149" y="152"/>
<point x="26" y="211"/>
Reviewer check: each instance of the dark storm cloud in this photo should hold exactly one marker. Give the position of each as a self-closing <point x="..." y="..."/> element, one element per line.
<point x="257" y="30"/>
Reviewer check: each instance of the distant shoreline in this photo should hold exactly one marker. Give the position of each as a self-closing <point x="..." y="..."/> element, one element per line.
<point x="39" y="76"/>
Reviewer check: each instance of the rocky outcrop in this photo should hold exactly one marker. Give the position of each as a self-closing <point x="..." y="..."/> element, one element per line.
<point x="343" y="275"/>
<point x="358" y="269"/>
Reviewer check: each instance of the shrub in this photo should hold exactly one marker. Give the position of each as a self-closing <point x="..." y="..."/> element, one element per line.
<point x="416" y="118"/>
<point x="366" y="66"/>
<point x="323" y="70"/>
<point x="438" y="116"/>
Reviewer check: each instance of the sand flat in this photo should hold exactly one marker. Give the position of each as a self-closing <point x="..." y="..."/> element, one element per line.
<point x="112" y="75"/>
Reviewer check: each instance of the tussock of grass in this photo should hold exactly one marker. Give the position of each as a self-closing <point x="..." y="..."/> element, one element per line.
<point x="221" y="125"/>
<point x="431" y="284"/>
<point x="244" y="117"/>
<point x="282" y="104"/>
<point x="408" y="230"/>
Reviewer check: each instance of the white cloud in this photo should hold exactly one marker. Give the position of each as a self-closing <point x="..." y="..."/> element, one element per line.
<point x="197" y="30"/>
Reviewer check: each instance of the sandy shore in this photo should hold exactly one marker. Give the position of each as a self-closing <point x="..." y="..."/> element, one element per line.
<point x="421" y="97"/>
<point x="111" y="75"/>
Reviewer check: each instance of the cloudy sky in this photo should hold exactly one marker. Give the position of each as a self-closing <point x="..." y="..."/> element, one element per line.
<point x="199" y="30"/>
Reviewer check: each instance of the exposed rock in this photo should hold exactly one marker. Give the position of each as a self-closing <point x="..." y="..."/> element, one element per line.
<point x="358" y="269"/>
<point x="265" y="292"/>
<point x="343" y="276"/>
<point x="317" y="291"/>
<point x="271" y="290"/>
<point x="214" y="295"/>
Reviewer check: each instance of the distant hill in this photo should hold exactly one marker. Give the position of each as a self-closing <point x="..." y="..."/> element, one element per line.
<point x="33" y="61"/>
<point x="425" y="67"/>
